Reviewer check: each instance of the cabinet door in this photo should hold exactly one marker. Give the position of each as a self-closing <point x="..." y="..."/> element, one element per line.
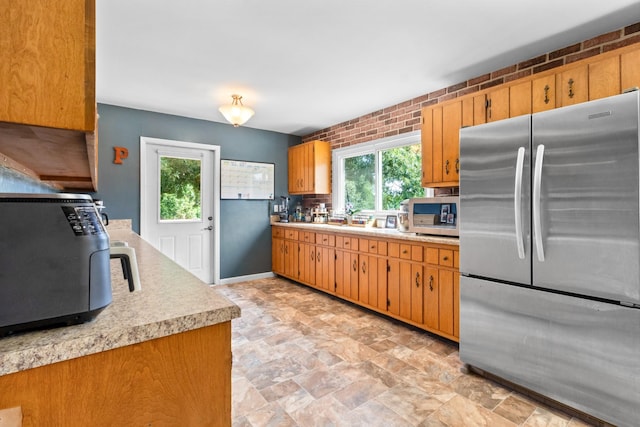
<point x="291" y="259"/>
<point x="498" y="104"/>
<point x="307" y="264"/>
<point x="572" y="86"/>
<point x="446" y="301"/>
<point x="364" y="283"/>
<point x="629" y="70"/>
<point x="379" y="300"/>
<point x="417" y="293"/>
<point x="294" y="165"/>
<point x="308" y="179"/>
<point x="426" y="138"/>
<point x="456" y="304"/>
<point x="479" y="109"/>
<point x="520" y="99"/>
<point x="431" y="313"/>
<point x="543" y="93"/>
<point x="436" y="158"/>
<point x="277" y="256"/>
<point x="49" y="54"/>
<point x="405" y="289"/>
<point x="393" y="286"/>
<point x="325" y="273"/>
<point x="451" y="124"/>
<point x="604" y="78"/>
<point x="347" y="274"/>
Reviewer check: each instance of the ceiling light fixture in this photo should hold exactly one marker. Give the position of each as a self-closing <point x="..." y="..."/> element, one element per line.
<point x="236" y="113"/>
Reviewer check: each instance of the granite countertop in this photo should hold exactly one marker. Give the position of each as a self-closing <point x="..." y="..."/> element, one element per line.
<point x="171" y="301"/>
<point x="372" y="232"/>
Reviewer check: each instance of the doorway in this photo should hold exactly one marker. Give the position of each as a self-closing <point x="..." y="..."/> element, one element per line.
<point x="180" y="203"/>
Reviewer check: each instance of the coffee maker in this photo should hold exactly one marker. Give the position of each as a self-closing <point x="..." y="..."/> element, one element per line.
<point x="284" y="209"/>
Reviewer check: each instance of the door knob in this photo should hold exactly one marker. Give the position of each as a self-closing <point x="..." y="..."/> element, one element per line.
<point x="208" y="228"/>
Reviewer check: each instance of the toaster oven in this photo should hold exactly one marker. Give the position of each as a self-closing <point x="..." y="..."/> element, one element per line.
<point x="434" y="215"/>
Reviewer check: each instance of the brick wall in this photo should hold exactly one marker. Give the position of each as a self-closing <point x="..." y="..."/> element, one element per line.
<point x="405" y="117"/>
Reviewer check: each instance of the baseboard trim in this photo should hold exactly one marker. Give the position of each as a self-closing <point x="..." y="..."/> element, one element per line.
<point x="236" y="279"/>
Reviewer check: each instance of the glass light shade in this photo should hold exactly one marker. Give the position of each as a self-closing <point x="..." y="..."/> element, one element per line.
<point x="236" y="113"/>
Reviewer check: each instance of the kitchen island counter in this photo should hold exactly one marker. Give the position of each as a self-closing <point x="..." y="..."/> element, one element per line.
<point x="157" y="356"/>
<point x="171" y="301"/>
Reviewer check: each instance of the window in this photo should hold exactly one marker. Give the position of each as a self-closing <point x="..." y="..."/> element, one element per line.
<point x="376" y="176"/>
<point x="179" y="189"/>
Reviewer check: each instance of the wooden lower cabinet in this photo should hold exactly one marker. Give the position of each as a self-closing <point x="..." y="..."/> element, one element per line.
<point x="417" y="283"/>
<point x="178" y="380"/>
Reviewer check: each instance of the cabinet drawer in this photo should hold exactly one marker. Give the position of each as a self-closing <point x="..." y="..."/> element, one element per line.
<point x="291" y="234"/>
<point x="412" y="252"/>
<point x="375" y="247"/>
<point x="364" y="245"/>
<point x="325" y="239"/>
<point x="345" y="242"/>
<point x="308" y="236"/>
<point x="277" y="232"/>
<point x="445" y="257"/>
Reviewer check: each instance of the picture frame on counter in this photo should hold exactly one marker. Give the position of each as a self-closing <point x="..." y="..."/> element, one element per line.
<point x="392" y="221"/>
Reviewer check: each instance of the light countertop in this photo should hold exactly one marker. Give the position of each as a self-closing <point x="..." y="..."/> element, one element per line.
<point x="372" y="232"/>
<point x="171" y="301"/>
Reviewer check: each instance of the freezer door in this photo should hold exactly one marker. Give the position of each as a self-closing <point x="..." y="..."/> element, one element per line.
<point x="495" y="195"/>
<point x="580" y="352"/>
<point x="585" y="199"/>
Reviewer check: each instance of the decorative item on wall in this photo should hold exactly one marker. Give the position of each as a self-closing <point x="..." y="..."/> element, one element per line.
<point x="120" y="153"/>
<point x="246" y="180"/>
<point x="236" y="113"/>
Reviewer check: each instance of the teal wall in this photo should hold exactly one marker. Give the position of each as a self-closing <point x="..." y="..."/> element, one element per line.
<point x="245" y="234"/>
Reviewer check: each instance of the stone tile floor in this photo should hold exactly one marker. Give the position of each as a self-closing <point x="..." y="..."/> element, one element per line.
<point x="304" y="358"/>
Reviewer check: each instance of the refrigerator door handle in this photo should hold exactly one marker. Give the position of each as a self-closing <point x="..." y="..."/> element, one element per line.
<point x="517" y="202"/>
<point x="537" y="184"/>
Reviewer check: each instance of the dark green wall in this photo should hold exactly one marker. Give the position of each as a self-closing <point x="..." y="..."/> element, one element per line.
<point x="245" y="234"/>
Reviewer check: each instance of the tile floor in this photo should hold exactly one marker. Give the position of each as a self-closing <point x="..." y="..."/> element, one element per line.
<point x="304" y="358"/>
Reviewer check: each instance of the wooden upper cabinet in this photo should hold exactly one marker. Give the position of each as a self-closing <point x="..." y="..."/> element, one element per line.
<point x="520" y="99"/>
<point x="426" y="138"/>
<point x="310" y="168"/>
<point x="479" y="109"/>
<point x="630" y="70"/>
<point x="451" y="124"/>
<point x="604" y="78"/>
<point x="572" y="85"/>
<point x="498" y="104"/>
<point x="47" y="64"/>
<point x="543" y="93"/>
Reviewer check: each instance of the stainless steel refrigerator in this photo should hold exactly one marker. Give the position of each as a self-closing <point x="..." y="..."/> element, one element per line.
<point x="550" y="254"/>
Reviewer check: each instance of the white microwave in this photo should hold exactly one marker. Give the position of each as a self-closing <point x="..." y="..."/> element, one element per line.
<point x="434" y="215"/>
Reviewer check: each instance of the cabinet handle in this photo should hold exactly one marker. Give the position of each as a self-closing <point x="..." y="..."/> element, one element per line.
<point x="546" y="94"/>
<point x="405" y="251"/>
<point x="364" y="267"/>
<point x="417" y="280"/>
<point x="458" y="166"/>
<point x="302" y="183"/>
<point x="346" y="243"/>
<point x="355" y="265"/>
<point x="571" y="88"/>
<point x="312" y="255"/>
<point x="318" y="256"/>
<point x="431" y="283"/>
<point x="372" y="247"/>
<point x="445" y="258"/>
<point x="324" y="240"/>
<point x="286" y="250"/>
<point x="446" y="167"/>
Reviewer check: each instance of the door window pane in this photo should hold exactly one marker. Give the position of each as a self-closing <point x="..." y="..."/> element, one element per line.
<point x="180" y="189"/>
<point x="401" y="175"/>
<point x="360" y="182"/>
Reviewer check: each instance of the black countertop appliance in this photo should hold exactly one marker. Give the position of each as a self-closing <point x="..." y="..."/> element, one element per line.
<point x="54" y="261"/>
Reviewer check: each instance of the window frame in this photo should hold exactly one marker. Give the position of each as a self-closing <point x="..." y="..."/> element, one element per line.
<point x="371" y="147"/>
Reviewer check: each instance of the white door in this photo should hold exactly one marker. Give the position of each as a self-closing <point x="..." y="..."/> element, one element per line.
<point x="178" y="203"/>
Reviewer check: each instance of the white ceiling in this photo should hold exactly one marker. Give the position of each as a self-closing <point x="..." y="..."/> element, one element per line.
<point x="304" y="65"/>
